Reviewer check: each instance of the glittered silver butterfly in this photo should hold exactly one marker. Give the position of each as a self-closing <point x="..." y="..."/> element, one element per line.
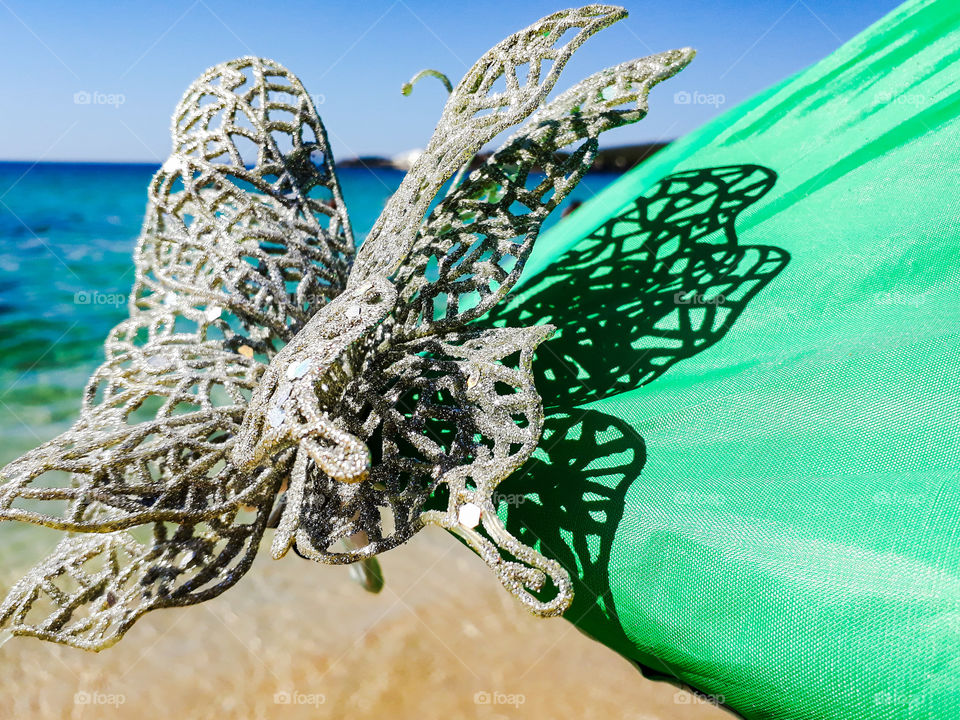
<point x="268" y="369"/>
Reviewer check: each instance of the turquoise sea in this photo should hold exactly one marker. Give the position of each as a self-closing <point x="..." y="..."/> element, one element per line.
<point x="67" y="234"/>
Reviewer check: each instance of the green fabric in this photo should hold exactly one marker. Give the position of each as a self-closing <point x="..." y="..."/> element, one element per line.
<point x="758" y="493"/>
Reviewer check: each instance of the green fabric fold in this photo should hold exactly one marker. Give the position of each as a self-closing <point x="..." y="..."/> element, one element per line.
<point x="751" y="461"/>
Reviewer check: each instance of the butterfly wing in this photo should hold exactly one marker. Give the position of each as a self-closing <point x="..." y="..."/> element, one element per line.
<point x="247" y="214"/>
<point x="421" y="409"/>
<point x="529" y="63"/>
<point x="246" y="236"/>
<point x="472" y="250"/>
<point x="93" y="587"/>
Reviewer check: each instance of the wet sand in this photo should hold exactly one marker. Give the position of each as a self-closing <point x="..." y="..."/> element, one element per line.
<point x="299" y="640"/>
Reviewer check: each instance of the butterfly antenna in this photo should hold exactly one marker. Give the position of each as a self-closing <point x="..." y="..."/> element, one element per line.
<point x="407" y="88"/>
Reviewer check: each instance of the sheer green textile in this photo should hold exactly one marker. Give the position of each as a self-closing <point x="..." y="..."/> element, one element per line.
<point x="752" y="448"/>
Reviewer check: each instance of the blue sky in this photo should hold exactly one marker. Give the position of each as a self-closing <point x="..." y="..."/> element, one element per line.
<point x="355" y="56"/>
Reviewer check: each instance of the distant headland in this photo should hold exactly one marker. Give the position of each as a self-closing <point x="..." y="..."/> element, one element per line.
<point x="615" y="159"/>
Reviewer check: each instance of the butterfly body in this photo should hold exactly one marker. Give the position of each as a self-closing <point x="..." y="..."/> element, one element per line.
<point x="298" y="395"/>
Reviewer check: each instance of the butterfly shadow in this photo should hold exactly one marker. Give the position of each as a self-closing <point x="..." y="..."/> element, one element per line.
<point x="663" y="280"/>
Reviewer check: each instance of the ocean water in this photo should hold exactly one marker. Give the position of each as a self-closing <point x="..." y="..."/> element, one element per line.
<point x="67" y="234"/>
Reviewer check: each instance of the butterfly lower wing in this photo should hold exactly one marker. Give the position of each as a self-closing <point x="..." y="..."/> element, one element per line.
<point x="507" y="421"/>
<point x="152" y="443"/>
<point x="93" y="588"/>
<point x="447" y="419"/>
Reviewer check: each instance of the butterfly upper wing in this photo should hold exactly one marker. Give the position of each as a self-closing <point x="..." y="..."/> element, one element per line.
<point x="473" y="248"/>
<point x="247" y="213"/>
<point x="475" y="113"/>
<point x="239" y="249"/>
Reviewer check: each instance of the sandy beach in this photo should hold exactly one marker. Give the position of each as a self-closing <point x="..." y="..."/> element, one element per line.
<point x="299" y="640"/>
